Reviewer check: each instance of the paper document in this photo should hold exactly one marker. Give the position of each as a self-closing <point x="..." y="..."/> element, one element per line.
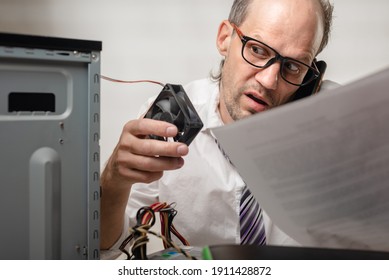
<point x="320" y="166"/>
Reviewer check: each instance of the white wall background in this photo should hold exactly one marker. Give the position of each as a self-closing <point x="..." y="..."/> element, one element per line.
<point x="174" y="41"/>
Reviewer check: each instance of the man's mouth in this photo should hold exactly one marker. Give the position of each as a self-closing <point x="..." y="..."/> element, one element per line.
<point x="258" y="100"/>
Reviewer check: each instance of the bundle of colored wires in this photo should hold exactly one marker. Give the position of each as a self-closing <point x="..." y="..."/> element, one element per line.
<point x="145" y="220"/>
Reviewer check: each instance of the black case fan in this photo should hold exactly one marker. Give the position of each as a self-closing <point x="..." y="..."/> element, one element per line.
<point x="174" y="106"/>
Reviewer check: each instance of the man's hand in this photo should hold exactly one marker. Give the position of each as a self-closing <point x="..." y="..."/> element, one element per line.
<point x="137" y="158"/>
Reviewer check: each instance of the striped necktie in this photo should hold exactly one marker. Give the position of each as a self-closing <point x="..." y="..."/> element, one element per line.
<point x="252" y="228"/>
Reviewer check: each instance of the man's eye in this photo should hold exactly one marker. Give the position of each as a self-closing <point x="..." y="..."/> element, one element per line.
<point x="292" y="67"/>
<point x="258" y="50"/>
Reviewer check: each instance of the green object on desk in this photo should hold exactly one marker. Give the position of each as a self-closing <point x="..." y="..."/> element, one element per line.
<point x="206" y="253"/>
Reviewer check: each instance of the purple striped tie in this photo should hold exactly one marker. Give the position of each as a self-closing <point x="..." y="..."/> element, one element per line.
<point x="252" y="228"/>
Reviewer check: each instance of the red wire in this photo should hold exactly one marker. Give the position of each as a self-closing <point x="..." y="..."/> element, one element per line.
<point x="130" y="82"/>
<point x="156" y="207"/>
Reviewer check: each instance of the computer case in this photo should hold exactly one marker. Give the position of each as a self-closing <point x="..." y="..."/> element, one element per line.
<point x="49" y="147"/>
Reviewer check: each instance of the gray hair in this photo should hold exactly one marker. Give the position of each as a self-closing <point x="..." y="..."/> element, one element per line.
<point x="239" y="11"/>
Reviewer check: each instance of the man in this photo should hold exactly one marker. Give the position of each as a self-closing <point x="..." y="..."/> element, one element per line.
<point x="268" y="47"/>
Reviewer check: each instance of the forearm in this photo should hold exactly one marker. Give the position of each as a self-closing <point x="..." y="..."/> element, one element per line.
<point x="113" y="205"/>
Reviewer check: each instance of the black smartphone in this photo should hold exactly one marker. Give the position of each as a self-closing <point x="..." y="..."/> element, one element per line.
<point x="314" y="86"/>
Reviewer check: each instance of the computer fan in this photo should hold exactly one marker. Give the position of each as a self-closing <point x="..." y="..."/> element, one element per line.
<point x="173" y="105"/>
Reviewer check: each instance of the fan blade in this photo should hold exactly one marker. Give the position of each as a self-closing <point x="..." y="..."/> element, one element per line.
<point x="164" y="105"/>
<point x="179" y="121"/>
<point x="164" y="116"/>
<point x="157" y="116"/>
<point x="174" y="107"/>
<point x="167" y="117"/>
<point x="181" y="100"/>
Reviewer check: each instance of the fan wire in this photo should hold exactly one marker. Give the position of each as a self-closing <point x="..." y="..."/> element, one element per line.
<point x="130" y="82"/>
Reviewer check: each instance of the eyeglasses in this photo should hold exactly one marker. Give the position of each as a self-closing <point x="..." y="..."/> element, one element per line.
<point x="260" y="55"/>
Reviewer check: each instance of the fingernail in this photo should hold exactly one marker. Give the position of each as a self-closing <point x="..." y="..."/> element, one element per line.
<point x="171" y="130"/>
<point x="180" y="162"/>
<point x="182" y="150"/>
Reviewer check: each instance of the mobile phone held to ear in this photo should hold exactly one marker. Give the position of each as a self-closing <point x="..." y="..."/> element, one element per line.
<point x="314" y="86"/>
<point x="174" y="106"/>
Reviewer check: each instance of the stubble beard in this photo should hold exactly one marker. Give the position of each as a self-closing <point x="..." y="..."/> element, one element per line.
<point x="232" y="98"/>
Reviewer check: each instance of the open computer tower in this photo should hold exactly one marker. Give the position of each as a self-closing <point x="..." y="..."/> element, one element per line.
<point x="49" y="147"/>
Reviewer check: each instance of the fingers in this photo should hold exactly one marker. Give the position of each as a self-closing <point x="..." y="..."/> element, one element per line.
<point x="135" y="132"/>
<point x="141" y="162"/>
<point x="148" y="126"/>
<point x="140" y="159"/>
<point x="147" y="172"/>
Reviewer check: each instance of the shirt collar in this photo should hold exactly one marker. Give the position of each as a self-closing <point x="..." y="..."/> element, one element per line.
<point x="213" y="118"/>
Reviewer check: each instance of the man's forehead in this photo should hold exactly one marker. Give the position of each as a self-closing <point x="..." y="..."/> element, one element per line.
<point x="299" y="21"/>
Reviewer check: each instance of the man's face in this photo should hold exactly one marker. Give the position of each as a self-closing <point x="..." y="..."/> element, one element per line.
<point x="293" y="28"/>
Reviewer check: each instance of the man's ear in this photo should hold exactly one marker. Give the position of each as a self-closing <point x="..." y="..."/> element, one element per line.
<point x="224" y="37"/>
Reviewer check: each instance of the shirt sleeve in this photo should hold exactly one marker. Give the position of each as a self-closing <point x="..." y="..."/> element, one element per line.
<point x="114" y="252"/>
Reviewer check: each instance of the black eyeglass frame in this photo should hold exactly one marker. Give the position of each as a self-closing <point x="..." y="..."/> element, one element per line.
<point x="278" y="57"/>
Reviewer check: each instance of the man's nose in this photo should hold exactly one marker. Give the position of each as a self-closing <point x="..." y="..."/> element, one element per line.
<point x="268" y="77"/>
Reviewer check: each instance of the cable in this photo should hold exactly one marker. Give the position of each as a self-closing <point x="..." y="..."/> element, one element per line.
<point x="130" y="82"/>
<point x="145" y="220"/>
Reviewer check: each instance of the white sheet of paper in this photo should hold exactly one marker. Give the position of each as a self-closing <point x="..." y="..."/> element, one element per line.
<point x="320" y="166"/>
